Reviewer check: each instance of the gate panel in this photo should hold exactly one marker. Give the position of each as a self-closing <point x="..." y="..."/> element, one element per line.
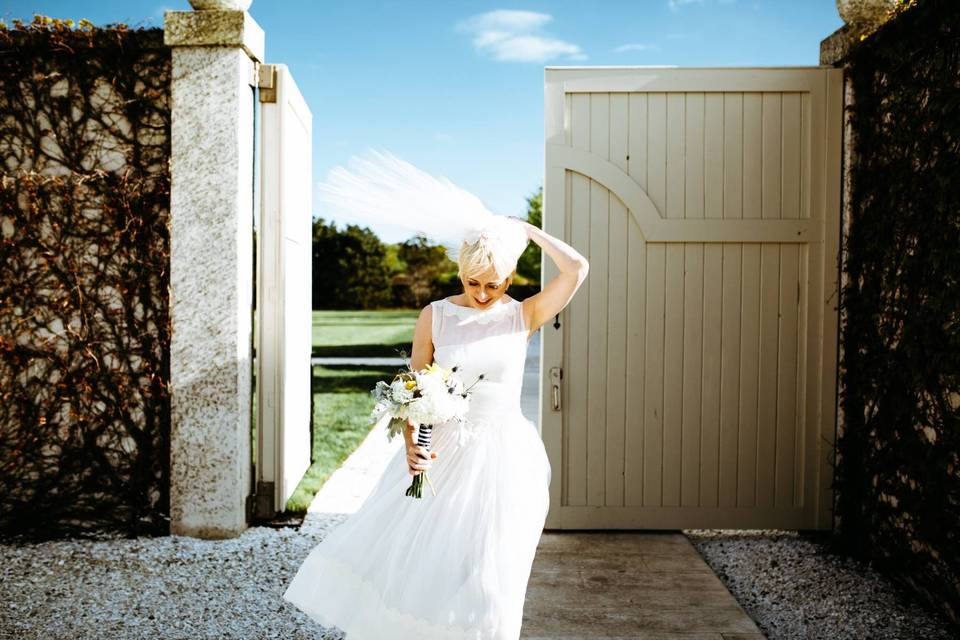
<point x="284" y="295"/>
<point x="699" y="363"/>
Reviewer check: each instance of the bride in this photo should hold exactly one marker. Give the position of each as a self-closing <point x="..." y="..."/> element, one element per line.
<point x="454" y="565"/>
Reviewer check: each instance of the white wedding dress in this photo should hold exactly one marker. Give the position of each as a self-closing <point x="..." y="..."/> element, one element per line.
<point x="453" y="565"/>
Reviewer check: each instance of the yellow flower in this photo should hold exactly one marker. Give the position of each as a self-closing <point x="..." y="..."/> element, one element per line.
<point x="434" y="369"/>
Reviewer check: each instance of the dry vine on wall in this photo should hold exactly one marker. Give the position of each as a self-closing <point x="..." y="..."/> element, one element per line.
<point x="898" y="472"/>
<point x="84" y="275"/>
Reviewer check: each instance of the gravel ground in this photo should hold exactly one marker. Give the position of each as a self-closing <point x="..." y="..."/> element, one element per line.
<point x="180" y="587"/>
<point x="172" y="587"/>
<point x="794" y="587"/>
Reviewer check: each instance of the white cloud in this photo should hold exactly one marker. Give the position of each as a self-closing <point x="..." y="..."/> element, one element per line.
<point x="513" y="36"/>
<point x="506" y="20"/>
<point x="525" y="48"/>
<point x="636" y="46"/>
<point x="439" y="136"/>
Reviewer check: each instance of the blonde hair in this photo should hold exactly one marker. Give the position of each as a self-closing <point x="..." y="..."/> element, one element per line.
<point x="477" y="258"/>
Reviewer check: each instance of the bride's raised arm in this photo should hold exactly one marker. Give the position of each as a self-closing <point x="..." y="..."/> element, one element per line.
<point x="557" y="293"/>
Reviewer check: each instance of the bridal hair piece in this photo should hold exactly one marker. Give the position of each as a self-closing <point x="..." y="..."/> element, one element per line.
<point x="382" y="188"/>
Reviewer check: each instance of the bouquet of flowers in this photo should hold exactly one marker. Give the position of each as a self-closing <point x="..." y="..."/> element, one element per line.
<point x="425" y="397"/>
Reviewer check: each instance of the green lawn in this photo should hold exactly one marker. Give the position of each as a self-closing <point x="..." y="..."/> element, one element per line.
<point x="341" y="393"/>
<point x="363" y="333"/>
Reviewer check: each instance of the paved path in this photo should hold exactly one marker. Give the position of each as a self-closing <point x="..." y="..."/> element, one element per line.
<point x="615" y="585"/>
<point x="620" y="585"/>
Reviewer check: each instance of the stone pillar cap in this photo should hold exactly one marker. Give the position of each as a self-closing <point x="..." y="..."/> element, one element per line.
<point x="214" y="29"/>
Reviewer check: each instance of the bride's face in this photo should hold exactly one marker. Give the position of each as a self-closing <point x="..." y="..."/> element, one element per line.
<point x="484" y="289"/>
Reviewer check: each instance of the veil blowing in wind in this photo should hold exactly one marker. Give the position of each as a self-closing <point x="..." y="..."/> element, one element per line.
<point x="382" y="188"/>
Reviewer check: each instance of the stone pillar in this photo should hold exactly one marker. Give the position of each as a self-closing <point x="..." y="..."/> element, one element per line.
<point x="215" y="57"/>
<point x="833" y="51"/>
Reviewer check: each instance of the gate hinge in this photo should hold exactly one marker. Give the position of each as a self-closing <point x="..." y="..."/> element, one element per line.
<point x="267" y="82"/>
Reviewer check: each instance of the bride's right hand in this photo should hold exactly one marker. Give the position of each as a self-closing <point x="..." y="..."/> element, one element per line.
<point x="418" y="458"/>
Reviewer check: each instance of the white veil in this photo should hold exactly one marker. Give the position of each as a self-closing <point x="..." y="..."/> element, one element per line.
<point x="385" y="189"/>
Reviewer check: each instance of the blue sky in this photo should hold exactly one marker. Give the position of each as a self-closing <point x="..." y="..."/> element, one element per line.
<point x="456" y="88"/>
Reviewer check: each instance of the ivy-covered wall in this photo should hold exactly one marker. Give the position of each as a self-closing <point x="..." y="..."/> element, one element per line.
<point x="84" y="273"/>
<point x="898" y="470"/>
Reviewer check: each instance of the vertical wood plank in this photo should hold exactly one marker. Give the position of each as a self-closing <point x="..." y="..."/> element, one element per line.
<point x="617" y="314"/>
<point x="673" y="373"/>
<point x="805" y="168"/>
<point x="656" y="271"/>
<point x="636" y="358"/>
<point x="732" y="155"/>
<point x="803" y="332"/>
<point x="767" y="398"/>
<point x="730" y="375"/>
<point x="692" y="371"/>
<point x="713" y="155"/>
<point x="636" y="311"/>
<point x="657" y="150"/>
<point x="693" y="157"/>
<point x="597" y="335"/>
<point x="673" y="301"/>
<point x="675" y="163"/>
<point x="653" y="384"/>
<point x="787" y="375"/>
<point x="790" y="156"/>
<point x="597" y="344"/>
<point x="749" y="376"/>
<point x="637" y="164"/>
<point x="770" y="198"/>
<point x="578" y="215"/>
<point x="752" y="155"/>
<point x="710" y="409"/>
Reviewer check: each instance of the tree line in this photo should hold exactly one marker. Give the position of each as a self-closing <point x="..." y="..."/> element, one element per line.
<point x="354" y="269"/>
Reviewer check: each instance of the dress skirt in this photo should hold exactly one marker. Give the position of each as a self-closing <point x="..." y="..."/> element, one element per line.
<point x="451" y="566"/>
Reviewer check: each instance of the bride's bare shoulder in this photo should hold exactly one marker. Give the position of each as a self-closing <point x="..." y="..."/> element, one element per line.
<point x="422" y="348"/>
<point x="424" y="319"/>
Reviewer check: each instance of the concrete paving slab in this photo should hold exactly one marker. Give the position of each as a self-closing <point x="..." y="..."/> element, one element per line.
<point x="638" y="585"/>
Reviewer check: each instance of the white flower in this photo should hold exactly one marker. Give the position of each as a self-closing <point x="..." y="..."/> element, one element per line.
<point x="400" y="393"/>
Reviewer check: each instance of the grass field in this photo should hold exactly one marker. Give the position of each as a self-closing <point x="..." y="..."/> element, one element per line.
<point x="363" y="333"/>
<point x="341" y="393"/>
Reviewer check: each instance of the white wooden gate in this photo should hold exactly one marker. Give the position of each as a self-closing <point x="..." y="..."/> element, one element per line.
<point x="284" y="321"/>
<point x="699" y="357"/>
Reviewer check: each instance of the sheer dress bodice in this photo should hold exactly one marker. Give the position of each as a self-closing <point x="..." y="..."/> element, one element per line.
<point x="492" y="342"/>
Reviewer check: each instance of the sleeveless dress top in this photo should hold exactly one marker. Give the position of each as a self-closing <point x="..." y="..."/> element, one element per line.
<point x="454" y="566"/>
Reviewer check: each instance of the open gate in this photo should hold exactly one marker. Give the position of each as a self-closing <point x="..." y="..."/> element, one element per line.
<point x="284" y="291"/>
